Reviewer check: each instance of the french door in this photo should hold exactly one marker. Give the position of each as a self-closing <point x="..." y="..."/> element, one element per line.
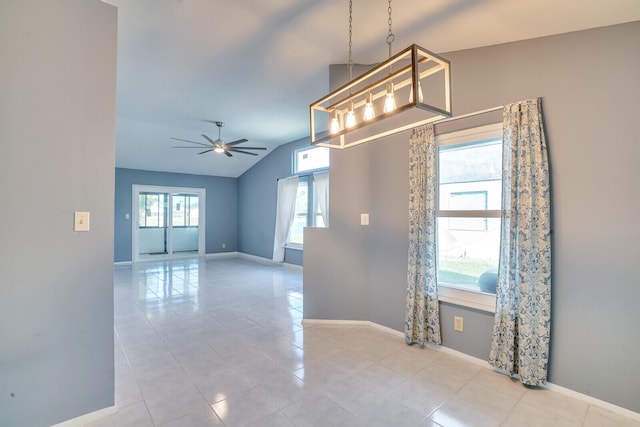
<point x="168" y="222"/>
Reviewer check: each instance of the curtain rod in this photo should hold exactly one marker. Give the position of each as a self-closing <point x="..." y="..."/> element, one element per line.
<point x="475" y="113"/>
<point x="300" y="175"/>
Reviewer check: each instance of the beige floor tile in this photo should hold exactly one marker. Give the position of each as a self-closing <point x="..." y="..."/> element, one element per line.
<point x="226" y="346"/>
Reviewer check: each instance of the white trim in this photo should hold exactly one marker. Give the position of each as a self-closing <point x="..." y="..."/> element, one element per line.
<point x="269" y="261"/>
<point x="214" y="255"/>
<point x="489" y="213"/>
<point x="122" y="263"/>
<point x="460" y="355"/>
<point x="336" y="322"/>
<point x="221" y="255"/>
<point x="297" y="172"/>
<point x="449" y="294"/>
<point x="136" y="189"/>
<point x="89" y="418"/>
<point x="474" y="134"/>
<point x="619" y="410"/>
<point x="462" y="297"/>
<point x="294" y="246"/>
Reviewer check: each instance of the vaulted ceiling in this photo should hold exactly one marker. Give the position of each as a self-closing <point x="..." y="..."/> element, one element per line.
<point x="257" y="65"/>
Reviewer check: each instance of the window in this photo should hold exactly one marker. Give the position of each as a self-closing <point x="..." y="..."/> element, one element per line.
<point x="307" y="212"/>
<point x="468" y="200"/>
<point x="300" y="216"/>
<point x="185" y="210"/>
<point x="310" y="159"/>
<point x="151" y="210"/>
<point x="311" y="204"/>
<point x="469" y="209"/>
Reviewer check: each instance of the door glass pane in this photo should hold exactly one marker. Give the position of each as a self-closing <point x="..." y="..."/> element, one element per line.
<point x="185" y="223"/>
<point x="152" y="227"/>
<point x="194" y="211"/>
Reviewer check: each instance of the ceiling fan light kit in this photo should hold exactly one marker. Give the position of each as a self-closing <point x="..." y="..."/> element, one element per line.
<point x="219" y="146"/>
<point x="382" y="101"/>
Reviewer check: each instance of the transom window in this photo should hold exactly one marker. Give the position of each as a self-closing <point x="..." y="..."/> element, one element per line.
<point x="310" y="159"/>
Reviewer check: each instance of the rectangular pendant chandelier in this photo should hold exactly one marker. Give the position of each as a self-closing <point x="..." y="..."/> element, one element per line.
<point x="383" y="100"/>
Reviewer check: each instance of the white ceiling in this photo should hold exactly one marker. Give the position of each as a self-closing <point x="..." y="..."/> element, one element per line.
<point x="258" y="64"/>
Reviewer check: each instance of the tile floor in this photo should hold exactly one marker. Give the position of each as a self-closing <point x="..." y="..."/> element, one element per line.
<point x="219" y="342"/>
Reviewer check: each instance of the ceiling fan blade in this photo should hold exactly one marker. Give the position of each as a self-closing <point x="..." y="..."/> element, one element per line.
<point x="228" y="154"/>
<point x="251" y="148"/>
<point x="240" y="141"/>
<point x="206" y="151"/>
<point x="183" y="146"/>
<point x="207" y="138"/>
<point x="192" y="142"/>
<point x="235" y="150"/>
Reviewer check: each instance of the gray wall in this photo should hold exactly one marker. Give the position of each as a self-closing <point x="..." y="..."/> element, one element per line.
<point x="591" y="97"/>
<point x="221" y="207"/>
<point x="57" y="132"/>
<point x="257" y="192"/>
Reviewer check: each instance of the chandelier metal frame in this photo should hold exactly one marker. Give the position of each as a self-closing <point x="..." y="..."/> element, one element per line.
<point x="414" y="70"/>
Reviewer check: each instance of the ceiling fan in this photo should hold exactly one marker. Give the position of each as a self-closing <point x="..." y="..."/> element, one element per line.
<point x="219" y="146"/>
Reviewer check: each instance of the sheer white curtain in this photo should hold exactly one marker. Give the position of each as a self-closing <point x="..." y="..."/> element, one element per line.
<point x="321" y="195"/>
<point x="285" y="209"/>
<point x="422" y="322"/>
<point x="523" y="296"/>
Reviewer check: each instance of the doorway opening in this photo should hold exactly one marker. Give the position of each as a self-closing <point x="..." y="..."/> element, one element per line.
<point x="168" y="222"/>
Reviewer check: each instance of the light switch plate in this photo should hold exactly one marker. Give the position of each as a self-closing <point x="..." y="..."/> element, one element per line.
<point x="81" y="221"/>
<point x="364" y="219"/>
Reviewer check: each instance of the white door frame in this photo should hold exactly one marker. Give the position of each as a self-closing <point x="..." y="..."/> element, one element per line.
<point x="136" y="189"/>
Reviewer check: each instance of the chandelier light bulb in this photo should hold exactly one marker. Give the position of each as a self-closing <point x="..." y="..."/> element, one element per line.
<point x="351" y="117"/>
<point x="390" y="99"/>
<point x="369" y="112"/>
<point x="334" y="127"/>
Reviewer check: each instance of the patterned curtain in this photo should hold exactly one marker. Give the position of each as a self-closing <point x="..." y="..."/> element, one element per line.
<point x="422" y="323"/>
<point x="523" y="295"/>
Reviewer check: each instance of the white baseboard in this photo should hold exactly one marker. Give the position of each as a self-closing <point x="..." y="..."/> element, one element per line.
<point x="221" y="255"/>
<point x="121" y="263"/>
<point x="268" y="261"/>
<point x="485" y="364"/>
<point x="336" y="322"/>
<point x="254" y="258"/>
<point x="595" y="401"/>
<point x="91" y="417"/>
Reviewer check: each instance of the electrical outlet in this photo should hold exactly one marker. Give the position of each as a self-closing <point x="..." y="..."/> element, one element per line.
<point x="224" y="245"/>
<point x="458" y="324"/>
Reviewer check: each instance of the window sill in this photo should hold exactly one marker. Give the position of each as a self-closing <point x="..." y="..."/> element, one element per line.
<point x="478" y="300"/>
<point x="295" y="246"/>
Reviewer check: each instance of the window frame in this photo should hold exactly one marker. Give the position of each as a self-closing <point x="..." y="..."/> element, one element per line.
<point x="296" y="169"/>
<point x="289" y="243"/>
<point x="311" y="209"/>
<point x="161" y="210"/>
<point x="446" y="293"/>
<point x="186" y="218"/>
<point x="306" y="175"/>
